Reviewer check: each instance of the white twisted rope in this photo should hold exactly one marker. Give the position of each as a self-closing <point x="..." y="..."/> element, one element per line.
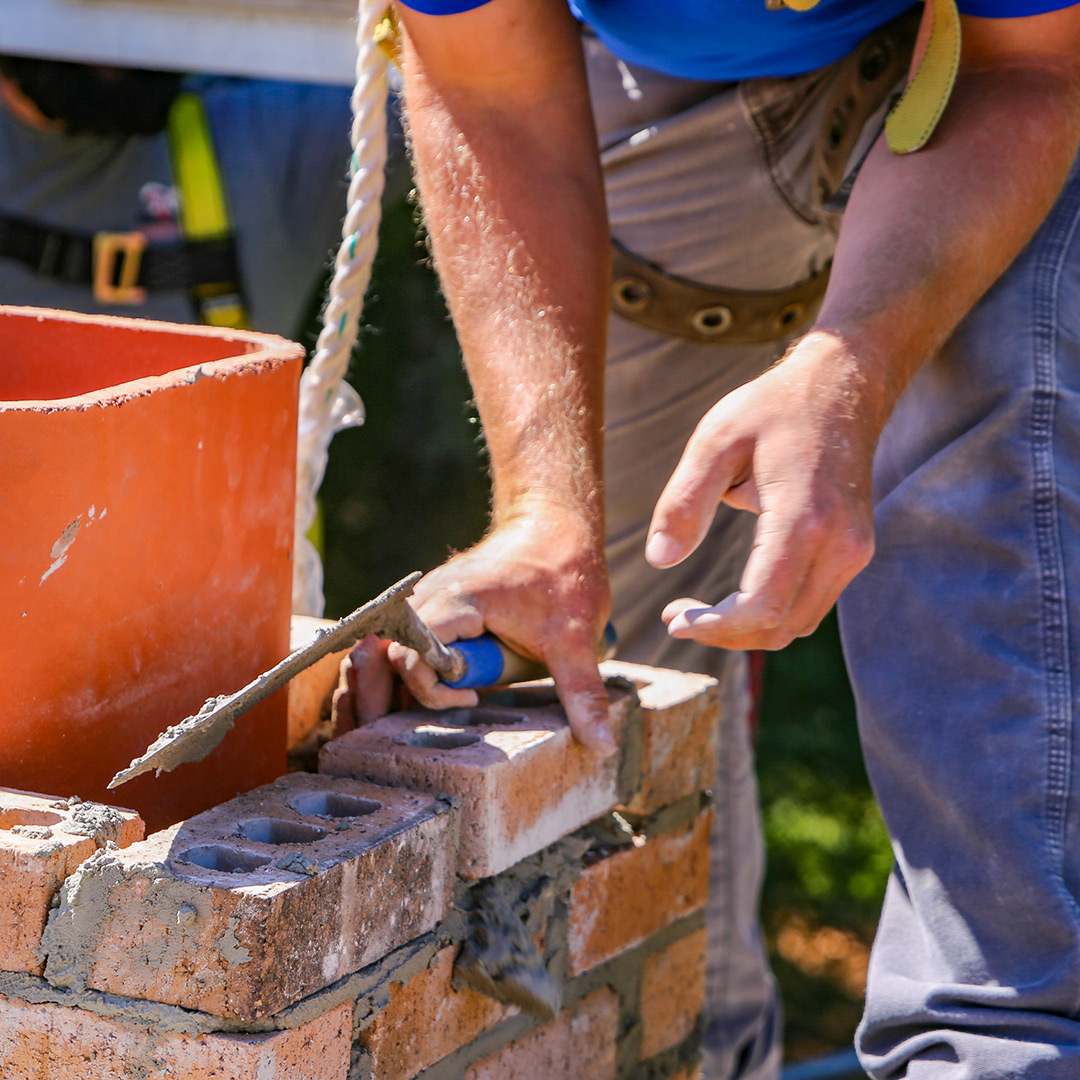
<point x="327" y="402"/>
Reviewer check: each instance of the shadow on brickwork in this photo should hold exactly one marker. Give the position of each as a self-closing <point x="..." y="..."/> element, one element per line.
<point x="418" y="461"/>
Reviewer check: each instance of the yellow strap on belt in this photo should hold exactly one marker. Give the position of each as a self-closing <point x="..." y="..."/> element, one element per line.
<point x="204" y="212"/>
<point x="912" y="120"/>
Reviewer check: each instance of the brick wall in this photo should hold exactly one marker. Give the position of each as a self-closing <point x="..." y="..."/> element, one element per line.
<point x="312" y="929"/>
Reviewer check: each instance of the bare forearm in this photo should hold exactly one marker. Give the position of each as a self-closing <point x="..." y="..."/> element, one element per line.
<point x="513" y="203"/>
<point x="926" y="235"/>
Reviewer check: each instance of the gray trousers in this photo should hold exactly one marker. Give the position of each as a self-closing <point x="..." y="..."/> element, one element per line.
<point x="721" y="184"/>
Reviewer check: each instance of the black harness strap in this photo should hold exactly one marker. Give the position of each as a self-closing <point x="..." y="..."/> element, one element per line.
<point x="68" y="256"/>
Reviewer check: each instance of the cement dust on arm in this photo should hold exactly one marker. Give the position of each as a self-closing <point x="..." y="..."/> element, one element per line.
<point x="507" y="166"/>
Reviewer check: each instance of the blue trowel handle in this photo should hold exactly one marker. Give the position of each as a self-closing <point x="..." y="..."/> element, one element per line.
<point x="490" y="662"/>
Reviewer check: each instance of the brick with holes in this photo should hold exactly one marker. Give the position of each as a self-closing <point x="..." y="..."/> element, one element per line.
<point x="42" y="840"/>
<point x="520" y="777"/>
<point x="246" y="908"/>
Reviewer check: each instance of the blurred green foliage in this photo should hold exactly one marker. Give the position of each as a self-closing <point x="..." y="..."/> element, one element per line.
<point x="829" y="855"/>
<point x="418" y="460"/>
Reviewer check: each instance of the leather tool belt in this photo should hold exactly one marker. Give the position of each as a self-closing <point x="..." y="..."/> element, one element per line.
<point x="120" y="267"/>
<point x="647" y="295"/>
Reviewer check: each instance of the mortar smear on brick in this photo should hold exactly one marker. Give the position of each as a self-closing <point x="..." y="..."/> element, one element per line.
<point x="42" y="840"/>
<point x="630" y="895"/>
<point x="679" y="721"/>
<point x="249" y="907"/>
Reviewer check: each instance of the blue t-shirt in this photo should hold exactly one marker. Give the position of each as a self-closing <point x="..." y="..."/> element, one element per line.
<point x="741" y="39"/>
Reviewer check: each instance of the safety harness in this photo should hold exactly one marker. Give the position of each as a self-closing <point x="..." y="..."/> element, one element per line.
<point x="123" y="267"/>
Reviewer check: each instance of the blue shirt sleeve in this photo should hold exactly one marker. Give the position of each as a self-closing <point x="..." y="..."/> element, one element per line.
<point x="443" y="7"/>
<point x="1010" y="9"/>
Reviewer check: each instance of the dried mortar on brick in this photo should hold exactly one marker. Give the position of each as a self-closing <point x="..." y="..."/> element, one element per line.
<point x="74" y="926"/>
<point x="103" y="824"/>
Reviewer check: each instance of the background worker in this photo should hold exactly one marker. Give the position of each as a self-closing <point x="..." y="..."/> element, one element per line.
<point x="946" y="342"/>
<point x="88" y="150"/>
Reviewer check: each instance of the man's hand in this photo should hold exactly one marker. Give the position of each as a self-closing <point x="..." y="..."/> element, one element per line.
<point x="794" y="446"/>
<point x="537" y="583"/>
<point x="365" y="689"/>
<point x="923" y="237"/>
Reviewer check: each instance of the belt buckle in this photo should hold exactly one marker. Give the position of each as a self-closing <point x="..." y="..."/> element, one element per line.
<point x="123" y="248"/>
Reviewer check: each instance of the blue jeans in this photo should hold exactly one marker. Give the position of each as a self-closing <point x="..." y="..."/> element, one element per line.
<point x="962" y="640"/>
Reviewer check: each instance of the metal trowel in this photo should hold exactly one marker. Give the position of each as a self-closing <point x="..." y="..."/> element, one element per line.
<point x="482" y="661"/>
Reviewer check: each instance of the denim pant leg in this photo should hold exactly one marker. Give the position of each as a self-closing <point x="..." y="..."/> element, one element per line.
<point x="962" y="640"/>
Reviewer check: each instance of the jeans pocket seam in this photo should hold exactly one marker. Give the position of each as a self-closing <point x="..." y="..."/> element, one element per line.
<point x="1054" y="607"/>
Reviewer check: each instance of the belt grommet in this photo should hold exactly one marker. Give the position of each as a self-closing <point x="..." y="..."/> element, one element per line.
<point x="873" y="62"/>
<point x="712" y="320"/>
<point x="790" y="315"/>
<point x="631" y="293"/>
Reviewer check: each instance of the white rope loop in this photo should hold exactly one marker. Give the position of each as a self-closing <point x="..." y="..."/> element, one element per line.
<point x="327" y="402"/>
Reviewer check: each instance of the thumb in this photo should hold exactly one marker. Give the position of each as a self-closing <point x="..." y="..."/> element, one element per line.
<point x="710" y="465"/>
<point x="585" y="699"/>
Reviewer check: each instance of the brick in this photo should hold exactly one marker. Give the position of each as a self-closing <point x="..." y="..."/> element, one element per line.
<point x="310" y="691"/>
<point x="246" y="908"/>
<point x="579" y="1044"/>
<point x="521" y="779"/>
<point x="42" y="840"/>
<point x="679" y="720"/>
<point x="628" y="896"/>
<point x="46" y="1042"/>
<point x="427" y="1019"/>
<point x="672" y="993"/>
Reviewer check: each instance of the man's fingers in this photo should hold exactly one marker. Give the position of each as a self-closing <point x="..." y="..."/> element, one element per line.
<point x="585" y="699"/>
<point x="451" y="619"/>
<point x="708" y="468"/>
<point x="343" y="703"/>
<point x="423" y="683"/>
<point x="828" y="578"/>
<point x="371" y="678"/>
<point x="365" y="685"/>
<point x="794" y="575"/>
<point x="757" y="615"/>
<point x="744" y="496"/>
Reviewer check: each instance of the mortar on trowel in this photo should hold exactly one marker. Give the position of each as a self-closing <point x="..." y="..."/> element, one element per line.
<point x="477" y="662"/>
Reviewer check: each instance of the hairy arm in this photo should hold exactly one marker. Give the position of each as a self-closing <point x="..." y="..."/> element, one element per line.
<point x="507" y="166"/>
<point x="923" y="237"/>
